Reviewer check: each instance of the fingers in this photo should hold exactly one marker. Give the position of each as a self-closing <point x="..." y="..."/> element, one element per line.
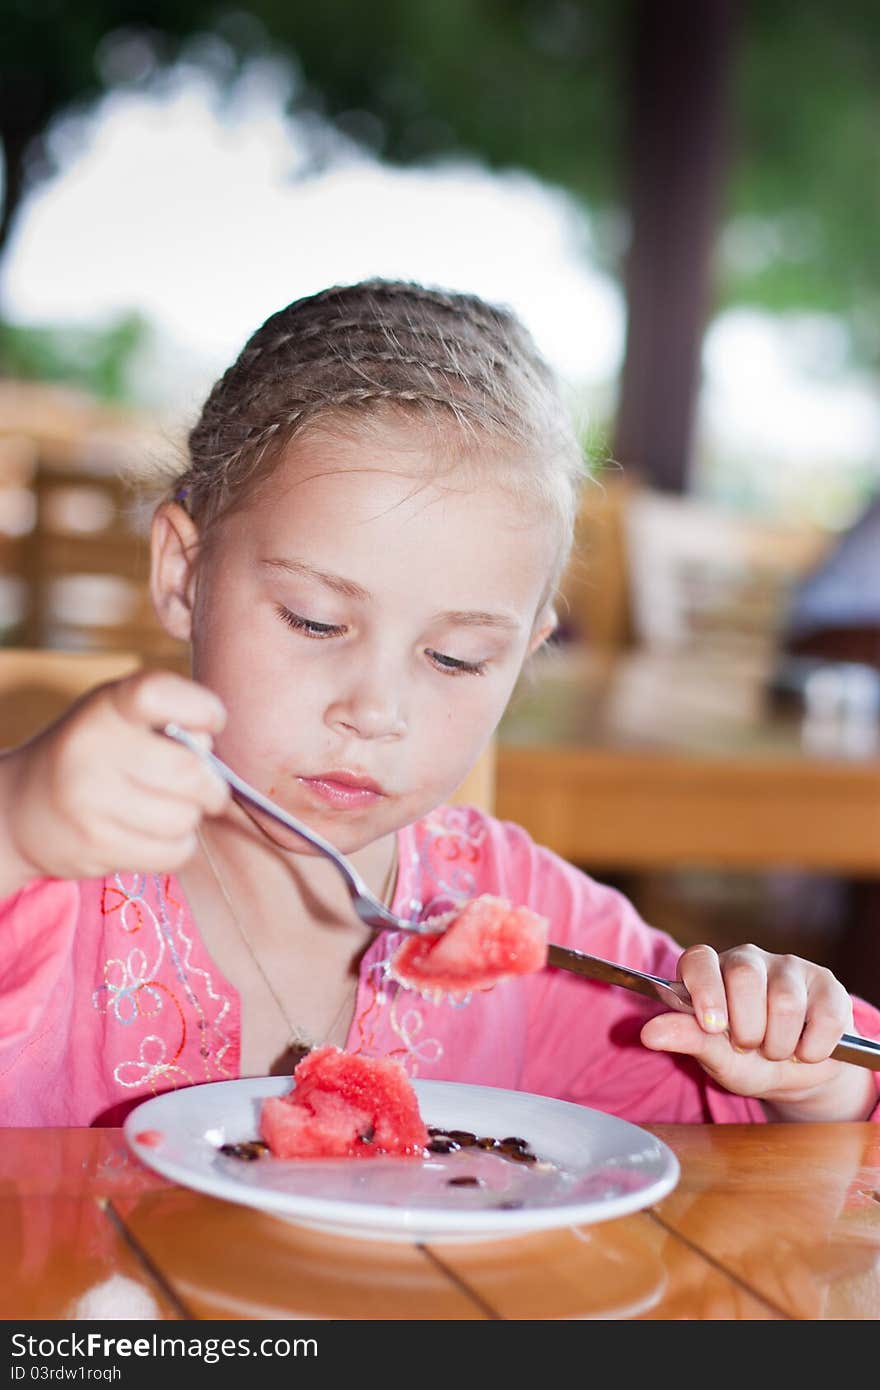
<point x="783" y="1006"/>
<point x="156" y="698"/>
<point x="157" y="816"/>
<point x="678" y="1033"/>
<point x="829" y="1013"/>
<point x="781" y="1011"/>
<point x="179" y="774"/>
<point x="103" y="789"/>
<point x="778" y="1005"/>
<point x="699" y="968"/>
<point x="136" y="852"/>
<point x="742" y="1072"/>
<point x="745" y="980"/>
<point x="786" y="1008"/>
<point x="761" y="1000"/>
<point x="152" y="699"/>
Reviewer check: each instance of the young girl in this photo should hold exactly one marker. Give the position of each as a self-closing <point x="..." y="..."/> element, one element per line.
<point x="362" y="553"/>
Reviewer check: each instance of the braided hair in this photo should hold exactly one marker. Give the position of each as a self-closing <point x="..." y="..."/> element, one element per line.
<point x="468" y="368"/>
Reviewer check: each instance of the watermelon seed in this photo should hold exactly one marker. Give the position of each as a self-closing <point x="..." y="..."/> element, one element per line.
<point x="463" y="1182"/>
<point x="253" y="1148"/>
<point x="463" y="1137"/>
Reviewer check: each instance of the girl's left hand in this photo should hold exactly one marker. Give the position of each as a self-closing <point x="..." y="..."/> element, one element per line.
<point x="765" y="1026"/>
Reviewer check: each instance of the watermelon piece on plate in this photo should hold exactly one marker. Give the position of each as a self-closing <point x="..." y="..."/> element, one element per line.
<point x="344" y="1106"/>
<point x="487" y="941"/>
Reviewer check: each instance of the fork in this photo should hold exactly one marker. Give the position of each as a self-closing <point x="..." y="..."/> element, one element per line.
<point x="861" y="1051"/>
<point x="371" y="911"/>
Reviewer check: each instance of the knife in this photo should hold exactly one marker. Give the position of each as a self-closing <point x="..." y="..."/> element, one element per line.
<point x="862" y="1052"/>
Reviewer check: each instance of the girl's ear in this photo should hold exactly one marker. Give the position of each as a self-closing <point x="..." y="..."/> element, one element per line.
<point x="174" y="548"/>
<point x="545" y="625"/>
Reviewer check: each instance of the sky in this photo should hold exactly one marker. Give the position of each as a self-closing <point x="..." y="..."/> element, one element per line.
<point x="202" y="215"/>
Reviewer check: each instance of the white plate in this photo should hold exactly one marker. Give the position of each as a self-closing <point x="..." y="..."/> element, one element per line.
<point x="597" y="1166"/>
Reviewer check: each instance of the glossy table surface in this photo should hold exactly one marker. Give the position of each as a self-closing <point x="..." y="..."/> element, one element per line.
<point x="766" y="1222"/>
<point x="652" y="760"/>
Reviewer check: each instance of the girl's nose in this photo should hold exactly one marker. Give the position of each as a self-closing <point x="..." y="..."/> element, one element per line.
<point x="370" y="710"/>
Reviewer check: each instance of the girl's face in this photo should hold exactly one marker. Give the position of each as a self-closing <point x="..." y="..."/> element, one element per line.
<point x="364" y="630"/>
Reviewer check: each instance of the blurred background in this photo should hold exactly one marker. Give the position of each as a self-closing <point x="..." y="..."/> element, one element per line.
<point x="682" y="203"/>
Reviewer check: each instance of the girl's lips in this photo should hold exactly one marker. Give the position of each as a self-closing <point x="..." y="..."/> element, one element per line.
<point x="339" y="790"/>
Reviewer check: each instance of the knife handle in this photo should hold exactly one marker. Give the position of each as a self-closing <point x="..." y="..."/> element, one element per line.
<point x="862" y="1052"/>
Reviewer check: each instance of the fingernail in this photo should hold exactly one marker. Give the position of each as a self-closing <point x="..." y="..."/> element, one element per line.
<point x="714" y="1021"/>
<point x="743" y="1051"/>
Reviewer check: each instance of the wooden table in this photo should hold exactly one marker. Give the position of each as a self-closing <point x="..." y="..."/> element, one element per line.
<point x="657" y="761"/>
<point x="767" y="1222"/>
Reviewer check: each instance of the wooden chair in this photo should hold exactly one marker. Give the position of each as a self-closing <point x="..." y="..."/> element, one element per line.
<point x="89" y="565"/>
<point x="702" y="576"/>
<point x="36" y="687"/>
<point x="18" y="462"/>
<point x="79" y="571"/>
<point x="653" y="570"/>
<point x="595" y="606"/>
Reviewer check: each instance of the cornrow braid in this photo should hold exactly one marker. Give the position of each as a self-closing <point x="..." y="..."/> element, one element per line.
<point x="389" y="290"/>
<point x="468" y="367"/>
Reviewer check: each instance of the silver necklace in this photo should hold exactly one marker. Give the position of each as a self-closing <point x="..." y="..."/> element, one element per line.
<point x="299" y="1042"/>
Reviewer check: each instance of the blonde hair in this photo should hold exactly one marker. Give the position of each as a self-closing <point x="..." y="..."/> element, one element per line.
<point x="468" y="369"/>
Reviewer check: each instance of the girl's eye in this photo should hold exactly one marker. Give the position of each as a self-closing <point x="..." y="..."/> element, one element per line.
<point x="306" y="626"/>
<point x="453" y="667"/>
<point x="450" y="665"/>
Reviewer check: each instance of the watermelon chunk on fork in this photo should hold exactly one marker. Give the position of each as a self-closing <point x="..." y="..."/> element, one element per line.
<point x="487" y="941"/>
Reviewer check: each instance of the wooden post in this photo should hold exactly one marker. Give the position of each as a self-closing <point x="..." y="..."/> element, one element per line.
<point x="677" y="159"/>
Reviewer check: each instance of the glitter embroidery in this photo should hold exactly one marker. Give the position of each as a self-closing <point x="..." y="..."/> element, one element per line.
<point x="408" y="1022"/>
<point x="448" y="853"/>
<point x="115" y="899"/>
<point x="150" y="1064"/>
<point x="445" y="863"/>
<point x="136" y="987"/>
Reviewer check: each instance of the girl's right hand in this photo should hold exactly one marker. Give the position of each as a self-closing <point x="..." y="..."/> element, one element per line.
<point x="102" y="790"/>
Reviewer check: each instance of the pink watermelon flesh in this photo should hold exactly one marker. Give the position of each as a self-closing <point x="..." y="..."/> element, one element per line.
<point x="487" y="941"/>
<point x="344" y="1106"/>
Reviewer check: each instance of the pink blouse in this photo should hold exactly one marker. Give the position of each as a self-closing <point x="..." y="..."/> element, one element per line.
<point x="108" y="994"/>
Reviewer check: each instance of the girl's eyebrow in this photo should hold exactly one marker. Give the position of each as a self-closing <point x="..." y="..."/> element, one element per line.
<point x="474" y="618"/>
<point x="347" y="587"/>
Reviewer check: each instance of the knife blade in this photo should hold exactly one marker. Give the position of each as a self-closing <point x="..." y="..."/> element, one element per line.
<point x="861" y="1052"/>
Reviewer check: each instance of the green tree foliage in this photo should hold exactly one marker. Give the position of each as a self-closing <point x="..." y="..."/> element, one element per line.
<point x="97" y="359"/>
<point x="804" y="195"/>
<point x="533" y="84"/>
<point x="523" y="83"/>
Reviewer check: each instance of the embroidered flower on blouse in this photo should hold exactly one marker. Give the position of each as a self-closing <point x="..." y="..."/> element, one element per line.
<point x="150" y="1065"/>
<point x="128" y="989"/>
<point x="156" y="983"/>
<point x="448" y="849"/>
<point x="127" y="902"/>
